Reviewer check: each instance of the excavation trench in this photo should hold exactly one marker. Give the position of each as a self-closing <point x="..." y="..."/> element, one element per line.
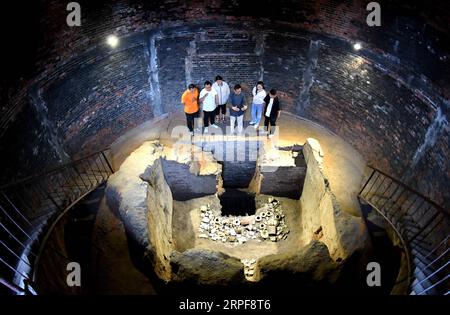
<point x="216" y="221"/>
<point x="164" y="206"/>
<point x="162" y="199"/>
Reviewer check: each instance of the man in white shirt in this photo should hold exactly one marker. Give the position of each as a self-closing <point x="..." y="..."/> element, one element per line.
<point x="209" y="100"/>
<point x="223" y="93"/>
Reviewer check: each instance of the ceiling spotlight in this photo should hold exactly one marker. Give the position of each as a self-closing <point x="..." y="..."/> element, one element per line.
<point x="112" y="41"/>
<point x="357" y="46"/>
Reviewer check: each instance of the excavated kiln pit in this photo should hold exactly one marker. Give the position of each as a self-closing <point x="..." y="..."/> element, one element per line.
<point x="170" y="207"/>
<point x="242" y="188"/>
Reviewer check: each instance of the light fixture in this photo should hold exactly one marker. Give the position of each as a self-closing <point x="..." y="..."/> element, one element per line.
<point x="112" y="40"/>
<point x="357" y="46"/>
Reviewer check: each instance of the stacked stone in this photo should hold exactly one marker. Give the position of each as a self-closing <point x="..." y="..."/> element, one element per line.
<point x="267" y="224"/>
<point x="224" y="229"/>
<point x="269" y="220"/>
<point x="249" y="267"/>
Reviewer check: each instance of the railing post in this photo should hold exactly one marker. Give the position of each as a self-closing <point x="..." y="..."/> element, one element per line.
<point x="368" y="180"/>
<point x="107" y="162"/>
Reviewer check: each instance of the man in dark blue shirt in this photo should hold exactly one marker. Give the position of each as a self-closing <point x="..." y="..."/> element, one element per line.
<point x="238" y="107"/>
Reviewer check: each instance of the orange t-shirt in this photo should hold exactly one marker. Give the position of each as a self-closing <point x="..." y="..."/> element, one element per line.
<point x="190" y="101"/>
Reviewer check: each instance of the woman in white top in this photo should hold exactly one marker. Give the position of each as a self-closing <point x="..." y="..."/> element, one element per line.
<point x="258" y="103"/>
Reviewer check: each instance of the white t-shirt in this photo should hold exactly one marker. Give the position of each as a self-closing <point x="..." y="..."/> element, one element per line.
<point x="209" y="103"/>
<point x="223" y="92"/>
<point x="269" y="107"/>
<point x="258" y="98"/>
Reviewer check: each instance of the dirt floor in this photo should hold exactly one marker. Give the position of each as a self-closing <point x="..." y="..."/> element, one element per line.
<point x="186" y="220"/>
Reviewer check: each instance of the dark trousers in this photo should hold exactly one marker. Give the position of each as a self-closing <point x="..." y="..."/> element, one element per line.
<point x="272" y="120"/>
<point x="190" y="119"/>
<point x="221" y="109"/>
<point x="209" y="118"/>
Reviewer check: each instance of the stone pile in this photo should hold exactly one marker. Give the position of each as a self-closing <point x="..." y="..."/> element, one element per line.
<point x="267" y="224"/>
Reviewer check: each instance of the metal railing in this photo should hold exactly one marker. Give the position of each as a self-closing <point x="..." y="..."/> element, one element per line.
<point x="30" y="206"/>
<point x="422" y="226"/>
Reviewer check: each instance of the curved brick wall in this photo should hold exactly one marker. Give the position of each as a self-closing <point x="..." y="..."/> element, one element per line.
<point x="390" y="100"/>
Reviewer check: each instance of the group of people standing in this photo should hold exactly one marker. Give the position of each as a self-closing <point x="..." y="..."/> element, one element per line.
<point x="214" y="98"/>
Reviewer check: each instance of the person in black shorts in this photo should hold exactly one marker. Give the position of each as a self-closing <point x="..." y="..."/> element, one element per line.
<point x="272" y="110"/>
<point x="223" y="93"/>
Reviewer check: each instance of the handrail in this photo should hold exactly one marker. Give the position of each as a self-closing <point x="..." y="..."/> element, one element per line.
<point x="52" y="170"/>
<point x="404" y="244"/>
<point x="11" y="286"/>
<point x="434" y="204"/>
<point x="411" y="215"/>
<point x="48" y="233"/>
<point x="30" y="206"/>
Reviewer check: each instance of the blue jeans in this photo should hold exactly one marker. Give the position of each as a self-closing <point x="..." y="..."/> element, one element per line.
<point x="257" y="110"/>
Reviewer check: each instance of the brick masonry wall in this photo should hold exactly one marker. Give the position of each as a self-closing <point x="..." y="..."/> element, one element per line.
<point x="390" y="100"/>
<point x="172" y="54"/>
<point x="99" y="99"/>
<point x="359" y="102"/>
<point x="285" y="62"/>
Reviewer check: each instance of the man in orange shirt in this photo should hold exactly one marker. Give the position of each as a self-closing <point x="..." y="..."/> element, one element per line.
<point x="190" y="102"/>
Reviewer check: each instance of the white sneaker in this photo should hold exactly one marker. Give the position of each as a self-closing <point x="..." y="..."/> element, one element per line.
<point x="206" y="130"/>
<point x="256" y="126"/>
<point x="214" y="126"/>
<point x="271" y="136"/>
<point x="251" y="123"/>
